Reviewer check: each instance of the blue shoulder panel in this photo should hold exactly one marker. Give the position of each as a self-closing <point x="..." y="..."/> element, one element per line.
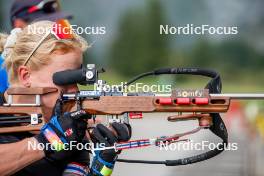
<point x="3" y="76"/>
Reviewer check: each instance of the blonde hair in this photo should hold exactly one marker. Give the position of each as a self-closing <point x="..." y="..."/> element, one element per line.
<point x="27" y="40"/>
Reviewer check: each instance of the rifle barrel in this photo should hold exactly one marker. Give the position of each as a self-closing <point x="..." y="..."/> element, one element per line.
<point x="240" y="96"/>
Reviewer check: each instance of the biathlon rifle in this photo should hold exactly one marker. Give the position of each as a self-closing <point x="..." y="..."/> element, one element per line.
<point x="203" y="105"/>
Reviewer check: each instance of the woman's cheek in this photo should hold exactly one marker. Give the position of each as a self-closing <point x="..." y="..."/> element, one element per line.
<point x="42" y="78"/>
<point x="48" y="101"/>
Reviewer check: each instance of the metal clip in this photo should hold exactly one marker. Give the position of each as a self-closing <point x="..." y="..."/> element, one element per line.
<point x="34" y="119"/>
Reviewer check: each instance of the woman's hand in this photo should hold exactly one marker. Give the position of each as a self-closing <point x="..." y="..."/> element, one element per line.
<point x="103" y="162"/>
<point x="70" y="127"/>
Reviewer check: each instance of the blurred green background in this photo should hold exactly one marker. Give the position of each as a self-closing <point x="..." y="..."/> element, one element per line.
<point x="132" y="43"/>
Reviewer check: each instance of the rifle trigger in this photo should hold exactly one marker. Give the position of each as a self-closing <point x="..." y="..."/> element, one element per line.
<point x="205" y="120"/>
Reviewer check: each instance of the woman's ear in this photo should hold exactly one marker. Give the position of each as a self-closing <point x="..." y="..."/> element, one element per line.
<point x="24" y="76"/>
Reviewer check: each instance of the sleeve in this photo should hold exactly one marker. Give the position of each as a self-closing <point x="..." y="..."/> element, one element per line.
<point x="79" y="164"/>
<point x="76" y="169"/>
<point x="3" y="76"/>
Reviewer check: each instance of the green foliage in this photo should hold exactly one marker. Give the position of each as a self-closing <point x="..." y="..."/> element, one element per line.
<point x="202" y="55"/>
<point x="232" y="58"/>
<point x="1" y="15"/>
<point x="139" y="47"/>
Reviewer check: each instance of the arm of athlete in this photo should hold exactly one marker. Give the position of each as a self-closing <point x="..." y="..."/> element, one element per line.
<point x="53" y="137"/>
<point x="16" y="156"/>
